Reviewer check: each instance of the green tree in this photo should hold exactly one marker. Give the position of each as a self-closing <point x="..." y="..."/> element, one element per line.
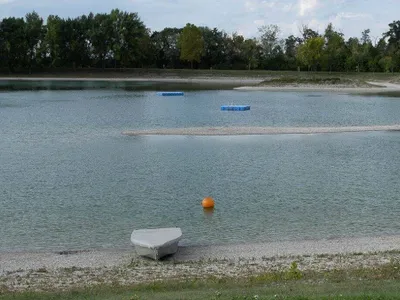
<point x="386" y="63"/>
<point x="334" y="55"/>
<point x="310" y="53"/>
<point x="34" y="32"/>
<point x="393" y="36"/>
<point x="74" y="42"/>
<point x="52" y="40"/>
<point x="100" y="34"/>
<point x="191" y="44"/>
<point x="128" y="31"/>
<point x="251" y="53"/>
<point x="15" y="47"/>
<point x="291" y="45"/>
<point x="269" y="39"/>
<point x="165" y="43"/>
<point x="353" y="55"/>
<point x="236" y="52"/>
<point x="307" y="33"/>
<point x="215" y="48"/>
<point x="147" y="54"/>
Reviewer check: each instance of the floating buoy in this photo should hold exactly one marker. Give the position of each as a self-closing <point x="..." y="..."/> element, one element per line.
<point x="208" y="202"/>
<point x="170" y="93"/>
<point x="235" y="107"/>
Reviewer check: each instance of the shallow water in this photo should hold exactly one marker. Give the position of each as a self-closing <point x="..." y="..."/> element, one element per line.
<point x="70" y="180"/>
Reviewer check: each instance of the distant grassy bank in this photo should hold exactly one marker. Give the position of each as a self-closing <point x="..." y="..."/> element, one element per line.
<point x="365" y="283"/>
<point x="316" y="81"/>
<point x="188" y="73"/>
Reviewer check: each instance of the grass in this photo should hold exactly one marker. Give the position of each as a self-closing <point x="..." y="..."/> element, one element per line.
<point x="367" y="283"/>
<point x="185" y="73"/>
<point x="343" y="79"/>
<point x="291" y="290"/>
<point x="290" y="80"/>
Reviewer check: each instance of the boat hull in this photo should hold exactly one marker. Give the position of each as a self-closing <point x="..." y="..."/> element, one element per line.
<point x="157" y="253"/>
<point x="157" y="242"/>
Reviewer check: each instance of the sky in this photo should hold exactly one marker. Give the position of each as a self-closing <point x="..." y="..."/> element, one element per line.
<point x="350" y="17"/>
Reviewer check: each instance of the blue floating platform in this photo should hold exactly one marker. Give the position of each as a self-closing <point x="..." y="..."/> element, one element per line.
<point x="235" y="107"/>
<point x="170" y="93"/>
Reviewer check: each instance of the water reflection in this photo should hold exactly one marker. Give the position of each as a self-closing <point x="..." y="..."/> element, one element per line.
<point x="208" y="213"/>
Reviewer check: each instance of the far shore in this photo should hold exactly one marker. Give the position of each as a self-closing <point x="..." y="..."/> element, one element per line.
<point x="319" y="88"/>
<point x="168" y="79"/>
<point x="244" y="83"/>
<point x="54" y="270"/>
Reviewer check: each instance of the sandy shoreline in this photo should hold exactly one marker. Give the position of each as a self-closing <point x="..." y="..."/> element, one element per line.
<point x="47" y="271"/>
<point x="315" y="88"/>
<point x="220" y="131"/>
<point x="375" y="87"/>
<point x="198" y="80"/>
<point x="241" y="83"/>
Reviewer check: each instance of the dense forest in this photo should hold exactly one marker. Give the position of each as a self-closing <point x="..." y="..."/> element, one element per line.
<point x="121" y="40"/>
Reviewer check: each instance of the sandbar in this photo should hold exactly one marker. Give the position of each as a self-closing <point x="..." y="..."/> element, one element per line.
<point x="221" y="131"/>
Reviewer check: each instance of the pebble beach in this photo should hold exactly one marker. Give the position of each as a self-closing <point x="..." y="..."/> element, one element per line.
<point x="45" y="271"/>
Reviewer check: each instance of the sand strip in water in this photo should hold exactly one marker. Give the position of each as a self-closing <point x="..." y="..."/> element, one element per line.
<point x="211" y="131"/>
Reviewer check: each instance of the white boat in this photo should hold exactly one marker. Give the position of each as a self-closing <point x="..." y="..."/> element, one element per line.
<point x="156" y="243"/>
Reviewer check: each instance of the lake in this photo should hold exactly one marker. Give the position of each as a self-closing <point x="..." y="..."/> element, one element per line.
<point x="70" y="180"/>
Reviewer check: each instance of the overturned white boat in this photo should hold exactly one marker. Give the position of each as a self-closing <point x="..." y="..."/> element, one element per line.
<point x="156" y="243"/>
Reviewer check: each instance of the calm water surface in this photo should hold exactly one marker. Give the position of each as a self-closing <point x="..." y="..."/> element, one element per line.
<point x="70" y="180"/>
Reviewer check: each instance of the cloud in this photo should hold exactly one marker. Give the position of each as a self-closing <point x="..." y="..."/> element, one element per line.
<point x="288" y="7"/>
<point x="259" y="22"/>
<point x="354" y="16"/>
<point x="306" y="6"/>
<point x="256" y="5"/>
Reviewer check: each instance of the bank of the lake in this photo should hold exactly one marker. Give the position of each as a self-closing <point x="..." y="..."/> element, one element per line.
<point x="65" y="271"/>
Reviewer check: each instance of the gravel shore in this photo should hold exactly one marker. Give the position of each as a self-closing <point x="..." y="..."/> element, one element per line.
<point x="371" y="87"/>
<point x="318" y="88"/>
<point x="212" y="131"/>
<point x="66" y="270"/>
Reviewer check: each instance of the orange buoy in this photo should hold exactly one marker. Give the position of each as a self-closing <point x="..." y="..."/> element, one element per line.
<point x="208" y="202"/>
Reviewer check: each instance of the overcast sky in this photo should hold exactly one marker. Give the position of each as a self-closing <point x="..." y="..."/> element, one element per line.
<point x="242" y="16"/>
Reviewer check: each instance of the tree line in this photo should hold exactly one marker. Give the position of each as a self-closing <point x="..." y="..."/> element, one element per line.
<point x="121" y="40"/>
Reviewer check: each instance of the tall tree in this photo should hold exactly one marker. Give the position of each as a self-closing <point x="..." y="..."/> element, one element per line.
<point x="166" y="47"/>
<point x="272" y="47"/>
<point x="251" y="53"/>
<point x="354" y="55"/>
<point x="269" y="39"/>
<point x="191" y="44"/>
<point x="101" y="35"/>
<point x="215" y="48"/>
<point x="365" y="37"/>
<point x="291" y="45"/>
<point x="393" y="35"/>
<point x="52" y="40"/>
<point x="310" y="53"/>
<point x="128" y="30"/>
<point x="334" y="55"/>
<point x="15" y="46"/>
<point x="34" y="32"/>
<point x="308" y="33"/>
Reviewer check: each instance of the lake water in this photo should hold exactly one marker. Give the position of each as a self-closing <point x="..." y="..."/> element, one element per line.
<point x="70" y="180"/>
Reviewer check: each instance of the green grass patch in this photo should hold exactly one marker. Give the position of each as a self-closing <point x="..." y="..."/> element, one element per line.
<point x="207" y="289"/>
<point x="187" y="73"/>
<point x="314" y="80"/>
